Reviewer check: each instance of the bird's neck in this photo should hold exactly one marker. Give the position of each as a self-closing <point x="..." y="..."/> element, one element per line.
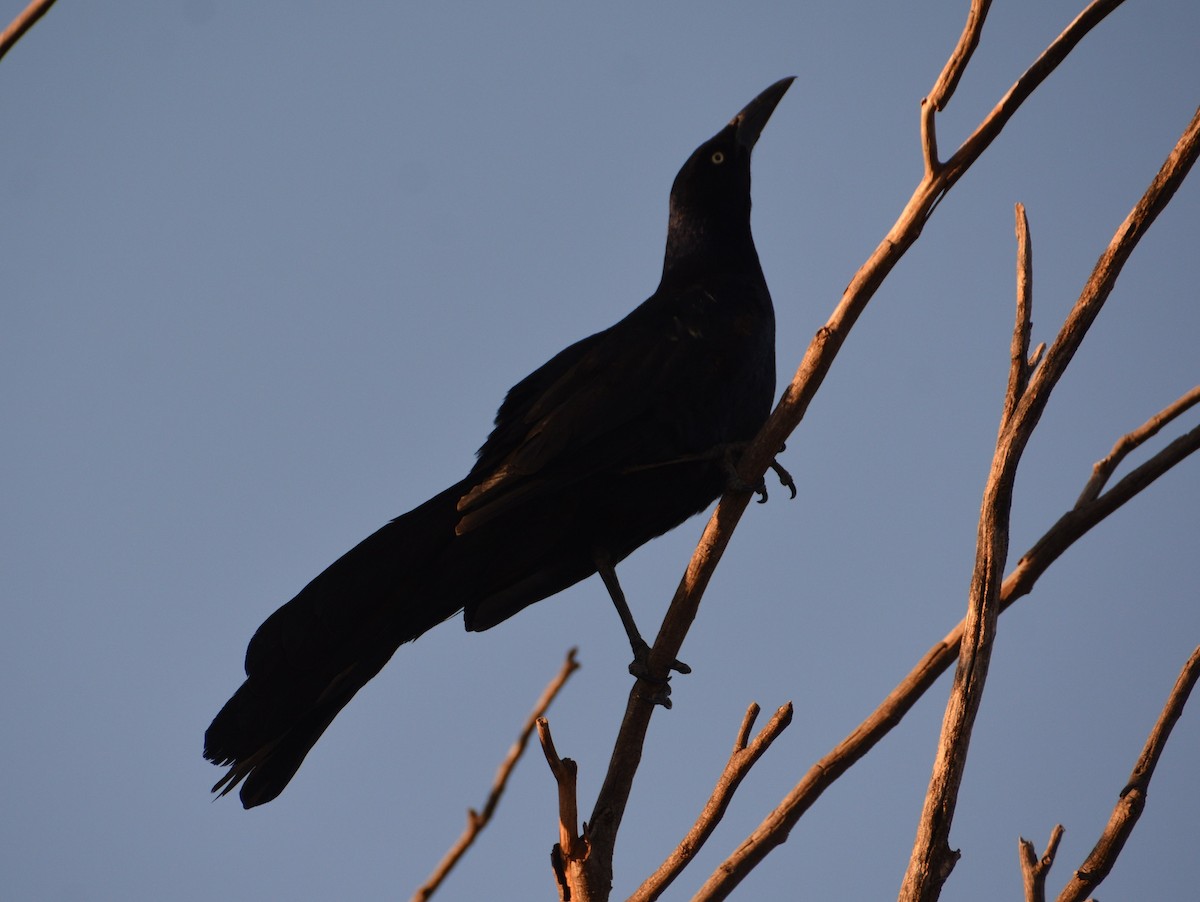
<point x="696" y="246"/>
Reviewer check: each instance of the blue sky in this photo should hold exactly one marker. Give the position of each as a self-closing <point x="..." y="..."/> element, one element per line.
<point x="269" y="269"/>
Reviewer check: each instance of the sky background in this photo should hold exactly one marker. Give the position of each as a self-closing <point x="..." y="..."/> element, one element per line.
<point x="268" y="269"/>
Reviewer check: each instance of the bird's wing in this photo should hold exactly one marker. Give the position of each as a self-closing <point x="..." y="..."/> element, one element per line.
<point x="573" y="416"/>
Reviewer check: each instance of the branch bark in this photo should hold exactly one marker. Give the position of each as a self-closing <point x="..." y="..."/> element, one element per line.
<point x="1033" y="869"/>
<point x="477" y="820"/>
<point x="22" y="23"/>
<point x="1103" y="469"/>
<point x="571" y="850"/>
<point x="1133" y="797"/>
<point x="932" y="858"/>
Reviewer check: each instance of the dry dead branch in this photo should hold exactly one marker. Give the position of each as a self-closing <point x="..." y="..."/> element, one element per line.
<point x="22" y="23"/>
<point x="1103" y="856"/>
<point x="1035" y="869"/>
<point x="741" y="759"/>
<point x="1103" y="469"/>
<point x="932" y="858"/>
<point x="571" y="850"/>
<point x="477" y="820"/>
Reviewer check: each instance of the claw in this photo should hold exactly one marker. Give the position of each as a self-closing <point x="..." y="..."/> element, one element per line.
<point x="785" y="479"/>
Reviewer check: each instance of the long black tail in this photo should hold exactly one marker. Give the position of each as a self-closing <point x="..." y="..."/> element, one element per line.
<point x="311" y="656"/>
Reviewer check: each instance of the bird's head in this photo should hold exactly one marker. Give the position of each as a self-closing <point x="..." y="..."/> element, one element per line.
<point x="710" y="199"/>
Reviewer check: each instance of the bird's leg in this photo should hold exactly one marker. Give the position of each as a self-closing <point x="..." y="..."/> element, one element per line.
<point x="640" y="667"/>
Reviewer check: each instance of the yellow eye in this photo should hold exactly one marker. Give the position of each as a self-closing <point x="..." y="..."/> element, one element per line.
<point x="718" y="157"/>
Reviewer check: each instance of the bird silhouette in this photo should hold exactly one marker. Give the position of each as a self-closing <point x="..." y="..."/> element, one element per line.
<point x="615" y="440"/>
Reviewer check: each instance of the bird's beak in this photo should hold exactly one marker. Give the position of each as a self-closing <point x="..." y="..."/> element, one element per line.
<point x="753" y="117"/>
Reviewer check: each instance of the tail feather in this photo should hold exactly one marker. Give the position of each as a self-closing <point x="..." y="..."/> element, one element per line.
<point x="311" y="656"/>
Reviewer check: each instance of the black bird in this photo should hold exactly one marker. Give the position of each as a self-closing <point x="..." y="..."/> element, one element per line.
<point x="615" y="440"/>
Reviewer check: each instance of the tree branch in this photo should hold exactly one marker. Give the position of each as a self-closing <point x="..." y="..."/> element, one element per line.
<point x="1020" y="366"/>
<point x="1103" y="469"/>
<point x="932" y="859"/>
<point x="741" y="759"/>
<point x="1132" y="800"/>
<point x="477" y="820"/>
<point x="22" y="23"/>
<point x="943" y="88"/>
<point x="956" y="65"/>
<point x="773" y="831"/>
<point x="1034" y="869"/>
<point x="571" y="850"/>
<point x="816" y="363"/>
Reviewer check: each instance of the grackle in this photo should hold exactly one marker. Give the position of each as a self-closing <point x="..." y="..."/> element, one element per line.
<point x="615" y="440"/>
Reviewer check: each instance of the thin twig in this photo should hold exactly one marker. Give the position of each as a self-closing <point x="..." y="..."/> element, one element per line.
<point x="956" y="65"/>
<point x="1034" y="869"/>
<point x="1051" y="57"/>
<point x="1020" y="365"/>
<point x="571" y="850"/>
<point x="741" y="759"/>
<point x="943" y="88"/>
<point x="1103" y="469"/>
<point x="1072" y="526"/>
<point x="1132" y="800"/>
<point x="477" y="820"/>
<point x="815" y="365"/>
<point x="22" y="23"/>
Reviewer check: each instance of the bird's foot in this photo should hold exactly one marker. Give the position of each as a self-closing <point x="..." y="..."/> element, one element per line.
<point x="737" y="484"/>
<point x="659" y="687"/>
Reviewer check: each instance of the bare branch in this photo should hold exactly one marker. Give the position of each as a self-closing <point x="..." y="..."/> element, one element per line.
<point x="1034" y="869"/>
<point x="990" y="127"/>
<point x="773" y="830"/>
<point x="956" y="65"/>
<point x="932" y="858"/>
<point x="1077" y="521"/>
<point x="1020" y="365"/>
<point x="741" y="759"/>
<point x="1133" y="797"/>
<point x="477" y="820"/>
<point x="22" y="23"/>
<point x="571" y="850"/>
<point x="1073" y="525"/>
<point x="944" y="87"/>
<point x="1103" y="469"/>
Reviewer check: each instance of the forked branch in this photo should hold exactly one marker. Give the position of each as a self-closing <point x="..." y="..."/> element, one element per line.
<point x="932" y="858"/>
<point x="571" y="850"/>
<point x="743" y="757"/>
<point x="1103" y="469"/>
<point x="1034" y="869"/>
<point x="477" y="820"/>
